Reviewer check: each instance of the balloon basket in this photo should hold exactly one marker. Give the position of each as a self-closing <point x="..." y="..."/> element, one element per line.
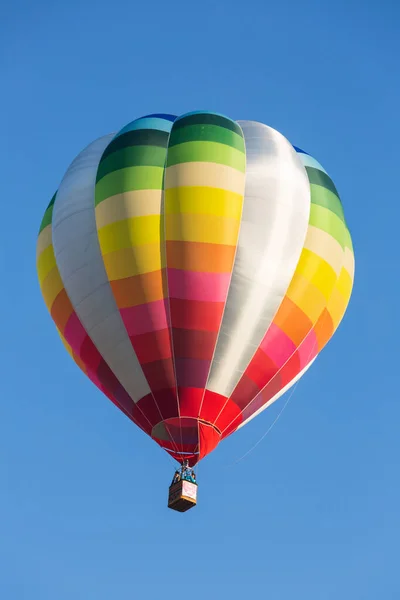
<point x="182" y="495"/>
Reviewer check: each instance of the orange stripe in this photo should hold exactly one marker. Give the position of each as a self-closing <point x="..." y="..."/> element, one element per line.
<point x="198" y="256"/>
<point x="61" y="310"/>
<point x="138" y="289"/>
<point x="292" y="321"/>
<point x="323" y="329"/>
<point x="80" y="363"/>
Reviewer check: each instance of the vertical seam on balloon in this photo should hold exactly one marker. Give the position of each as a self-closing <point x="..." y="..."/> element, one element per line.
<point x="168" y="299"/>
<point x="227" y="292"/>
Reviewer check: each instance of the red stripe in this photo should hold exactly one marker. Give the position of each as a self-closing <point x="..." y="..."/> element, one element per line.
<point x="189" y="343"/>
<point x="190" y="401"/>
<point x="193" y="314"/>
<point x="90" y="355"/>
<point x="261" y="369"/>
<point x="160" y="374"/>
<point x="245" y="391"/>
<point x="229" y="413"/>
<point x="152" y="346"/>
<point x="273" y="387"/>
<point x="149" y="408"/>
<point x="212" y="405"/>
<point x="290" y="369"/>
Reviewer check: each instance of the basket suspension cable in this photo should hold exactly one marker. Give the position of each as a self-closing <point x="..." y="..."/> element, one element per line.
<point x="279" y="414"/>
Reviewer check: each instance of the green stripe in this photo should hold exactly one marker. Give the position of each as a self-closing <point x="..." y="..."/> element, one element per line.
<point x="52" y="200"/>
<point x="324" y="197"/>
<point x="206" y="152"/>
<point x="320" y="178"/>
<point x="206" y="133"/>
<point x="326" y="220"/>
<point x="127" y="180"/>
<point x="137" y="137"/>
<point x="132" y="156"/>
<point x="48" y="215"/>
<point x="207" y="119"/>
<point x="349" y="241"/>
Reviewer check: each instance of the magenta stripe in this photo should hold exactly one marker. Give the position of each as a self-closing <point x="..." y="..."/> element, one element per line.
<point x="193" y="285"/>
<point x="277" y="345"/>
<point x="74" y="333"/>
<point x="145" y="317"/>
<point x="94" y="379"/>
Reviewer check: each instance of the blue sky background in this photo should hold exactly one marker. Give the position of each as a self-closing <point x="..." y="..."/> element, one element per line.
<point x="313" y="512"/>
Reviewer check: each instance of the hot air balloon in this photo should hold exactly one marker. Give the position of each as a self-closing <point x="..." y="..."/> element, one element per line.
<point x="194" y="267"/>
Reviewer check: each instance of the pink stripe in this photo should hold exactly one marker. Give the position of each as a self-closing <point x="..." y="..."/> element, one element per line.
<point x="74" y="333"/>
<point x="193" y="285"/>
<point x="145" y="317"/>
<point x="277" y="345"/>
<point x="308" y="349"/>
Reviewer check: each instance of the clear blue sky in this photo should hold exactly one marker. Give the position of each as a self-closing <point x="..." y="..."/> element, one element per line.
<point x="313" y="512"/>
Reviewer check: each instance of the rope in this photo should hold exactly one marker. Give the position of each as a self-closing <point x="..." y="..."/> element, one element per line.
<point x="280" y="412"/>
<point x="269" y="428"/>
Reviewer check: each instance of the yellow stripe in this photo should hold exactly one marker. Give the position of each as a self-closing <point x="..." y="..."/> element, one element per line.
<point x="336" y="307"/>
<point x="51" y="287"/>
<point x="128" y="205"/>
<point x="202" y="228"/>
<point x="325" y="246"/>
<point x="205" y="174"/>
<point x="46" y="262"/>
<point x="317" y="271"/>
<point x="133" y="261"/>
<point x="344" y="284"/>
<point x="129" y="233"/>
<point x="201" y="200"/>
<point x="306" y="296"/>
<point x="44" y="240"/>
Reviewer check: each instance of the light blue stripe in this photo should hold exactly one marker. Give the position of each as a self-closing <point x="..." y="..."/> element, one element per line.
<point x="309" y="161"/>
<point x="299" y="150"/>
<point x="147" y="123"/>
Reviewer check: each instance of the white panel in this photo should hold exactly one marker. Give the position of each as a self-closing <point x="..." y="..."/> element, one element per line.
<point x="273" y="229"/>
<point x="81" y="267"/>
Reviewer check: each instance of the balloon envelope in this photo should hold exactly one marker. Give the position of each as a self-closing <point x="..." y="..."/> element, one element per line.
<point x="194" y="268"/>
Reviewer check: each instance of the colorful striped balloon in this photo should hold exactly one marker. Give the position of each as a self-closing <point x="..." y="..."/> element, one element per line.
<point x="194" y="267"/>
